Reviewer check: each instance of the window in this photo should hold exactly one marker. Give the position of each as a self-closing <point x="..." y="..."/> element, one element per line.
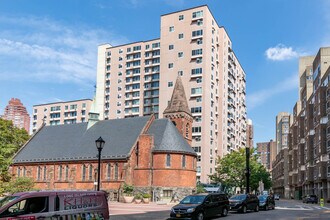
<point x="196" y="71"/>
<point x="199" y="80"/>
<point x="197" y="33"/>
<point x="171" y="47"/>
<point x="197" y="149"/>
<point x="66" y="172"/>
<point x="170" y="65"/>
<point x="136" y="48"/>
<point x="183" y="161"/>
<point x="171" y="28"/>
<point x="181" y="17"/>
<point x="196" y="90"/>
<point x="60" y="172"/>
<point x="180" y="54"/>
<point x="199" y="42"/>
<point x="197" y="14"/>
<point x="155" y="45"/>
<point x="83" y="173"/>
<point x="181" y="36"/>
<point x="168" y="160"/>
<point x="39" y="173"/>
<point x="25" y="207"/>
<point x="196" y="129"/>
<point x="180" y="73"/>
<point x="116" y="171"/>
<point x="196" y="110"/>
<point x="108" y="171"/>
<point x="170" y="84"/>
<point x="197" y="52"/>
<point x="168" y="193"/>
<point x="90" y="172"/>
<point x="45" y="173"/>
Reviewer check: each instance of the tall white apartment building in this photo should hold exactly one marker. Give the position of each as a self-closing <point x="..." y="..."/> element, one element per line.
<point x="57" y="113"/>
<point x="137" y="79"/>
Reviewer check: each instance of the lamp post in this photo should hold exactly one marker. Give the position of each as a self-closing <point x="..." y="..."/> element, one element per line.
<point x="99" y="145"/>
<point x="247" y="172"/>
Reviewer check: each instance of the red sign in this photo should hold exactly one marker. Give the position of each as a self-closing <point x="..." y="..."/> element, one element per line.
<point x="23" y="218"/>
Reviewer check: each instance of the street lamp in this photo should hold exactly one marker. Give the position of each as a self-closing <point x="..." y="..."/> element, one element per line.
<point x="247" y="172"/>
<point x="99" y="145"/>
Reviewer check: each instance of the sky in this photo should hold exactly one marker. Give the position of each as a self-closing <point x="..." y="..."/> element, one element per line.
<point x="48" y="49"/>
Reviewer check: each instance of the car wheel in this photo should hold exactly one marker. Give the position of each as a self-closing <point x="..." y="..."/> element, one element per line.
<point x="266" y="207"/>
<point x="257" y="208"/>
<point x="244" y="209"/>
<point x="224" y="212"/>
<point x="200" y="216"/>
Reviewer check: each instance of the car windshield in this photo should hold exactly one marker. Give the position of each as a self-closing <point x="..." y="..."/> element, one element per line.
<point x="196" y="199"/>
<point x="262" y="198"/>
<point x="238" y="197"/>
<point x="7" y="200"/>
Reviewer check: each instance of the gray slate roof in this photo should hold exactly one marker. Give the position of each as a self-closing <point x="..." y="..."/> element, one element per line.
<point x="73" y="142"/>
<point x="167" y="138"/>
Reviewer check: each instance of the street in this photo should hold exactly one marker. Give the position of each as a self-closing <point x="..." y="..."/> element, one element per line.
<point x="285" y="210"/>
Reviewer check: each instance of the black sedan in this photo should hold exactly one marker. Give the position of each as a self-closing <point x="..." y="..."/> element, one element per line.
<point x="266" y="202"/>
<point x="244" y="202"/>
<point x="310" y="199"/>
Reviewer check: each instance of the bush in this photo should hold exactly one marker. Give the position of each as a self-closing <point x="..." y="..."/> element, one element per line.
<point x="20" y="184"/>
<point x="138" y="196"/>
<point x="128" y="189"/>
<point x="146" y="195"/>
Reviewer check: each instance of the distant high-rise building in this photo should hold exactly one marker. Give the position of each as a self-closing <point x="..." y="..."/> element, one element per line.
<point x="16" y="112"/>
<point x="137" y="79"/>
<point x="283" y="120"/>
<point x="265" y="150"/>
<point x="57" y="113"/>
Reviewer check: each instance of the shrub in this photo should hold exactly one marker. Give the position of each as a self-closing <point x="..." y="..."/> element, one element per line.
<point x="146" y="195"/>
<point x="128" y="189"/>
<point x="138" y="196"/>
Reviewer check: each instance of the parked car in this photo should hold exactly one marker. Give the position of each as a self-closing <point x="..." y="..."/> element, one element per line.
<point x="58" y="204"/>
<point x="201" y="206"/>
<point x="266" y="202"/>
<point x="244" y="202"/>
<point x="310" y="199"/>
<point x="277" y="197"/>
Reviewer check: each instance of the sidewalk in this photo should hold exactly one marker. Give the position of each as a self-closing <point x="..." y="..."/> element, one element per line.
<point x="318" y="204"/>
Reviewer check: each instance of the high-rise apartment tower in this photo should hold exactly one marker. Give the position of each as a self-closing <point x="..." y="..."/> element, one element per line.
<point x="16" y="112"/>
<point x="137" y="79"/>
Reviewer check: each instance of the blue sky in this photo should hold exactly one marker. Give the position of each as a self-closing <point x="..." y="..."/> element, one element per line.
<point x="48" y="49"/>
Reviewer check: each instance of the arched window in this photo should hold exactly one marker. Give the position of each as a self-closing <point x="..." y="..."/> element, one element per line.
<point x="60" y="172"/>
<point x="39" y="173"/>
<point x="67" y="172"/>
<point x="90" y="172"/>
<point x="18" y="172"/>
<point x="83" y="172"/>
<point x="116" y="171"/>
<point x="108" y="173"/>
<point x="45" y="172"/>
<point x="183" y="161"/>
<point x="168" y="160"/>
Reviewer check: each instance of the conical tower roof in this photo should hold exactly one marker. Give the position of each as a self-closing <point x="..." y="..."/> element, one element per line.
<point x="178" y="101"/>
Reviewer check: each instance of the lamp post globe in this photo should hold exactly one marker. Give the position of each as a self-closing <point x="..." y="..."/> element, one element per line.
<point x="99" y="145"/>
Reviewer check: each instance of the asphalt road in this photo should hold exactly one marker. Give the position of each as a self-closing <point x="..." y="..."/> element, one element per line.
<point x="285" y="210"/>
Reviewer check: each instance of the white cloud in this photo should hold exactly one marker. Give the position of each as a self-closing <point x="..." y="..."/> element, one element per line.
<point x="281" y="52"/>
<point x="38" y="49"/>
<point x="260" y="97"/>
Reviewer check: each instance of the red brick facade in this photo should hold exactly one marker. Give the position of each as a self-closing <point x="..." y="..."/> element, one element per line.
<point x="143" y="169"/>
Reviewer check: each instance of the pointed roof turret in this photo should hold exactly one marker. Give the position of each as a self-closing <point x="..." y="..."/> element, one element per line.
<point x="178" y="101"/>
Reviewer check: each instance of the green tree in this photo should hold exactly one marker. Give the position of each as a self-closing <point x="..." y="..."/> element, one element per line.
<point x="11" y="139"/>
<point x="230" y="170"/>
<point x="20" y="184"/>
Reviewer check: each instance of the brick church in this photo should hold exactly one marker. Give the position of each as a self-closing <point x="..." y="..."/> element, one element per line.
<point x="153" y="155"/>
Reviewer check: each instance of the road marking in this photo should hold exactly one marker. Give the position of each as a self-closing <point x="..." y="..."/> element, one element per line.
<point x="293" y="208"/>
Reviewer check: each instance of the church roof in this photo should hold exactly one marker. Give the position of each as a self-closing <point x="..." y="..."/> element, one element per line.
<point x="167" y="138"/>
<point x="178" y="101"/>
<point x="72" y="142"/>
